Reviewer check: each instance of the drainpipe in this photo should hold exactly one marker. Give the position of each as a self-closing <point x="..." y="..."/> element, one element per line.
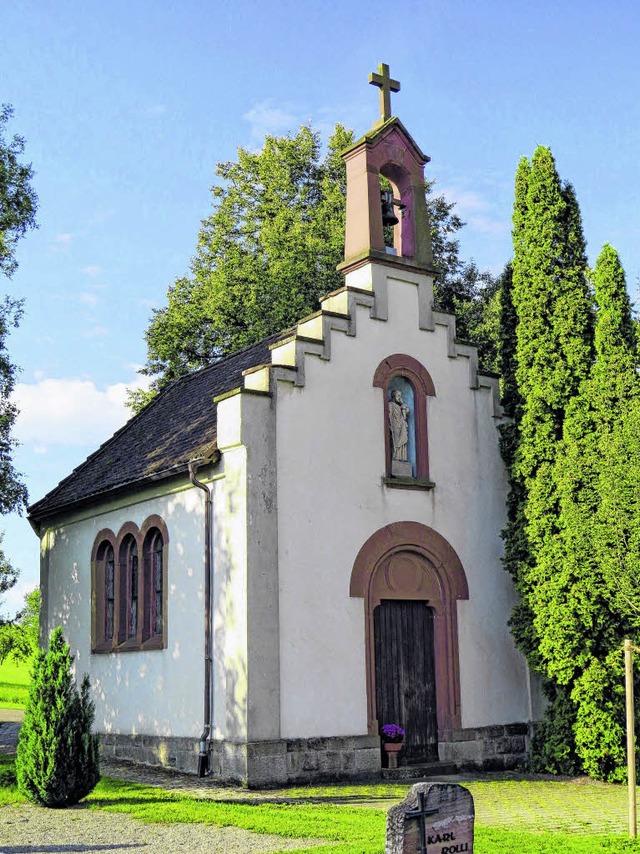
<point x="203" y="755"/>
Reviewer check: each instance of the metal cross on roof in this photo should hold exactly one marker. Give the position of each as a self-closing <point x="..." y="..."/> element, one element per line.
<point x="421" y="813"/>
<point x="386" y="86"/>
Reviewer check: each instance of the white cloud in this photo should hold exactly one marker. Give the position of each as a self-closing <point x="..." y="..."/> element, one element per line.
<point x="466" y="201"/>
<point x="89" y="298"/>
<point x="266" y="119"/>
<point x="68" y="412"/>
<point x="476" y="211"/>
<point x="92" y="270"/>
<point x="485" y="225"/>
<point x="96" y="332"/>
<point x="13" y="599"/>
<point x="61" y="242"/>
<point x="155" y="110"/>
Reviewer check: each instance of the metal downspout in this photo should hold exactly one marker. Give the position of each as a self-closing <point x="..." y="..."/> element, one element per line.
<point x="203" y="755"/>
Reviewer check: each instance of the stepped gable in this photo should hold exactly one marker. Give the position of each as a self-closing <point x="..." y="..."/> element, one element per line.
<point x="158" y="442"/>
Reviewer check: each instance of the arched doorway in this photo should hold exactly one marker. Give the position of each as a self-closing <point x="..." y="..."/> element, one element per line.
<point x="411" y="579"/>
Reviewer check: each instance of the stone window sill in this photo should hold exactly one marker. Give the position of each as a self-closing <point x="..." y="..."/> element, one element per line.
<point x="408" y="483"/>
<point x="131" y="646"/>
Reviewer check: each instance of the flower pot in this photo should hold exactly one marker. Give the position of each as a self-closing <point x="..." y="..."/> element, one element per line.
<point x="392" y="749"/>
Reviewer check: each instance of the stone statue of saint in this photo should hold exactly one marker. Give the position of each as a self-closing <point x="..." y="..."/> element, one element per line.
<point x="398" y="414"/>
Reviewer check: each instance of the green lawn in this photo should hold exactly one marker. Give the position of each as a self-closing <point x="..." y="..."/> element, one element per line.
<point x="539" y="817"/>
<point x="14" y="682"/>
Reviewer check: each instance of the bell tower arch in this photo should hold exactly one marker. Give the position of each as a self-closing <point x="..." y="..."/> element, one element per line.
<point x="387" y="150"/>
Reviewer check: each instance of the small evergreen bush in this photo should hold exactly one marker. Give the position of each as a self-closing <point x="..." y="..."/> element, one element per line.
<point x="57" y="758"/>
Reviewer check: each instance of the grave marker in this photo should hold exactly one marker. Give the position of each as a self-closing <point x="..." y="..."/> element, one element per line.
<point x="434" y="818"/>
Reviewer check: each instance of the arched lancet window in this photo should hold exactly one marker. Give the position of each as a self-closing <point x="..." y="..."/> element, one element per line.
<point x="104" y="590"/>
<point x="109" y="564"/>
<point x="406" y="384"/>
<point x="129" y="589"/>
<point x="154" y="561"/>
<point x="129" y="597"/>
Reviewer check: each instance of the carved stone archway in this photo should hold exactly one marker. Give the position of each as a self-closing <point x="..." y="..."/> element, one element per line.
<point x="408" y="560"/>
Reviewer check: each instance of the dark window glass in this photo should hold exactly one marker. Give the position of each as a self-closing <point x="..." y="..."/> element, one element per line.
<point x="110" y="593"/>
<point x="157" y="585"/>
<point x="133" y="590"/>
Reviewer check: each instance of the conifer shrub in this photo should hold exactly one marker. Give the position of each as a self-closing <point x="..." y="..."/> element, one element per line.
<point x="57" y="757"/>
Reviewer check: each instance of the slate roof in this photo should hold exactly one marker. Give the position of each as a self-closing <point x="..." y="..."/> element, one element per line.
<point x="157" y="443"/>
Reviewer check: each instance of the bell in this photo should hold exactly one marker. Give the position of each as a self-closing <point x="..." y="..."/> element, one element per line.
<point x="388" y="214"/>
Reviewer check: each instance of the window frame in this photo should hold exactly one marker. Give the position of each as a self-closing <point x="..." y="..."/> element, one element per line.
<point x="153" y="530"/>
<point x="105" y="539"/>
<point x="134" y="582"/>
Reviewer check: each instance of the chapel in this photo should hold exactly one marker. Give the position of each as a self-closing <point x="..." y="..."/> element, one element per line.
<point x="300" y="543"/>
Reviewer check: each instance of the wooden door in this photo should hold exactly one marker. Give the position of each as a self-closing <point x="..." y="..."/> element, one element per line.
<point x="405" y="675"/>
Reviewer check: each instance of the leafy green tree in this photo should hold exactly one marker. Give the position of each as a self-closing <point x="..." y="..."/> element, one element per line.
<point x="8" y="575"/>
<point x="600" y="517"/>
<point x="269" y="251"/>
<point x="57" y="758"/>
<point x="580" y="623"/>
<point x="616" y="525"/>
<point x="19" y="637"/>
<point x="478" y="314"/>
<point x="18" y="201"/>
<point x="552" y="357"/>
<point x="18" y="204"/>
<point x="13" y="492"/>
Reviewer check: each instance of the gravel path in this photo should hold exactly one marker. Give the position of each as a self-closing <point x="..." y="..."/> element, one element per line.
<point x="27" y="828"/>
<point x="36" y="830"/>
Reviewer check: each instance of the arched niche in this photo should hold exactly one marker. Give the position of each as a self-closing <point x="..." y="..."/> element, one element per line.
<point x="401" y="365"/>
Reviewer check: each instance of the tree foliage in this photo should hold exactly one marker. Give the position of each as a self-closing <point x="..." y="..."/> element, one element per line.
<point x="572" y="450"/>
<point x="553" y="347"/>
<point x="18" y="201"/>
<point x="269" y="251"/>
<point x="8" y="575"/>
<point x="19" y="637"/>
<point x="57" y="758"/>
<point x="18" y="204"/>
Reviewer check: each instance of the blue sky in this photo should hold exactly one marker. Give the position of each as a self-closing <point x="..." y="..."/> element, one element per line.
<point x="126" y="108"/>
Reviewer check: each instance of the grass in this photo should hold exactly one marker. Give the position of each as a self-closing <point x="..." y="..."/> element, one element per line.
<point x="536" y="816"/>
<point x="539" y="816"/>
<point x="14" y="684"/>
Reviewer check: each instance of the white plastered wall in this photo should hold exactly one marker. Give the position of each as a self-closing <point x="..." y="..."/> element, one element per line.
<point x="330" y="460"/>
<point x="157" y="692"/>
<point x="245" y="643"/>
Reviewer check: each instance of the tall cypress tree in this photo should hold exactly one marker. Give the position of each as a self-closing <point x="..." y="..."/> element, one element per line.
<point x="596" y="512"/>
<point x="516" y="552"/>
<point x="553" y="353"/>
<point x="577" y="626"/>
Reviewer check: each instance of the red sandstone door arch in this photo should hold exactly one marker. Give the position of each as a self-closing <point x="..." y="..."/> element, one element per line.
<point x="410" y="561"/>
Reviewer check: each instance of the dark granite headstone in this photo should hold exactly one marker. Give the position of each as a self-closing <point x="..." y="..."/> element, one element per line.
<point x="434" y="818"/>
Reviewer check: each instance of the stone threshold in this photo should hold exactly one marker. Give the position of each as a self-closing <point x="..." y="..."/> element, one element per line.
<point x="419" y="772"/>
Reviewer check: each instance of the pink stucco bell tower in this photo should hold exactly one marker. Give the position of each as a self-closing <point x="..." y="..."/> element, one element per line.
<point x="386" y="150"/>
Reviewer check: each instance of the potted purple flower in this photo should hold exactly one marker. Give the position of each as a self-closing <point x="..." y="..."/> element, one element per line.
<point x="392" y="737"/>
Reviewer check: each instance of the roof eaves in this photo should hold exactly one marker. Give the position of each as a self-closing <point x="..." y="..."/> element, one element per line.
<point x="36" y="515"/>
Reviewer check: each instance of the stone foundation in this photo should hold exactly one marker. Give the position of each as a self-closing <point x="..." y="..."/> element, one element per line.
<point x="299" y="760"/>
<point x="181" y="754"/>
<point x="490" y="748"/>
<point x="258" y="763"/>
<point x="261" y="764"/>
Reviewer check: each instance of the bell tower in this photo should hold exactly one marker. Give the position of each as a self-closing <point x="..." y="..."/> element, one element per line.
<point x="387" y="150"/>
